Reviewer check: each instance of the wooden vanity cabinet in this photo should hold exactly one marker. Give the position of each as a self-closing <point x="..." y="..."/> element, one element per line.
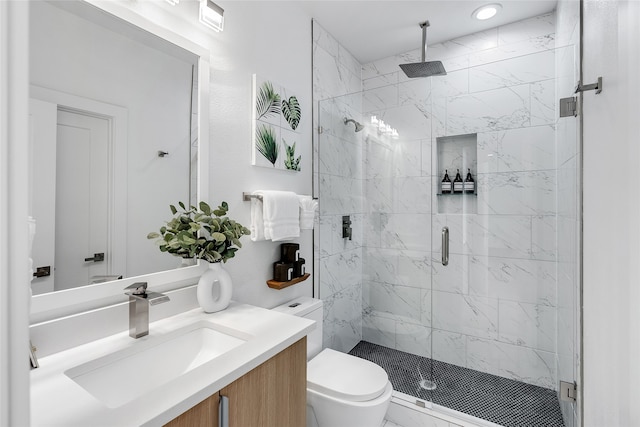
<point x="273" y="394"/>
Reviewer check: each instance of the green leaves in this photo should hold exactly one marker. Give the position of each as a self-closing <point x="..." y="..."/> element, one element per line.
<point x="267" y="101"/>
<point x="266" y="143"/>
<point x="196" y="233"/>
<point x="291" y="162"/>
<point x="291" y="111"/>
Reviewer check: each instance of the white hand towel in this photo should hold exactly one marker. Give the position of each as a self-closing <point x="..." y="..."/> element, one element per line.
<point x="257" y="222"/>
<point x="281" y="215"/>
<point x="308" y="208"/>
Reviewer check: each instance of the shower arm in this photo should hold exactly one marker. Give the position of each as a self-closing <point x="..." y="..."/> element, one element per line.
<point x="424" y="26"/>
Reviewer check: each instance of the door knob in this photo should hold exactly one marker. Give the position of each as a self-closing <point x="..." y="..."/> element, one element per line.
<point x="96" y="257"/>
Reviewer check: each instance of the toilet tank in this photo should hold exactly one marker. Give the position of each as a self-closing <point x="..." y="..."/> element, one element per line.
<point x="309" y="308"/>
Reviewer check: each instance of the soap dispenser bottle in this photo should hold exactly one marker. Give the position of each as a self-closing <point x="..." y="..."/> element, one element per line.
<point x="469" y="183"/>
<point x="458" y="185"/>
<point x="445" y="185"/>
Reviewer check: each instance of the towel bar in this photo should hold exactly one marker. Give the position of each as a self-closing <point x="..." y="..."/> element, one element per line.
<point x="246" y="197"/>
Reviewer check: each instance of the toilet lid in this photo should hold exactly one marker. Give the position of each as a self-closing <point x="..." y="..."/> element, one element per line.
<point x="345" y="377"/>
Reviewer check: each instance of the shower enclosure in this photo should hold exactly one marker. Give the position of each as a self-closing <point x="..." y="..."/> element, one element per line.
<point x="487" y="326"/>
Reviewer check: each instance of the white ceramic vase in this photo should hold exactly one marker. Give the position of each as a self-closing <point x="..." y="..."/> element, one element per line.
<point x="214" y="288"/>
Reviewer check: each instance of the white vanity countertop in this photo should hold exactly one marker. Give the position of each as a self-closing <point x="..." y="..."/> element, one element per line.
<point x="56" y="400"/>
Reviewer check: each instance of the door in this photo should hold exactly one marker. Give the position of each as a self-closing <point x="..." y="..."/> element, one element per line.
<point x="506" y="253"/>
<point x="81" y="202"/>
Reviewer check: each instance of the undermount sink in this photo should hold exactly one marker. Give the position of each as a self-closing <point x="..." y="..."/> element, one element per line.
<point x="125" y="375"/>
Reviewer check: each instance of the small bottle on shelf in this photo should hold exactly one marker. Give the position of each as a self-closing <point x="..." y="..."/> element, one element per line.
<point x="445" y="186"/>
<point x="458" y="185"/>
<point x="469" y="183"/>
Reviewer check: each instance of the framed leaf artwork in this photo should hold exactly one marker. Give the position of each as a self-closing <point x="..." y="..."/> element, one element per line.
<point x="275" y="126"/>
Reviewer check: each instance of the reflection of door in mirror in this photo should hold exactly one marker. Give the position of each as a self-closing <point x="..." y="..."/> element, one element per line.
<point x="71" y="151"/>
<point x="82" y="175"/>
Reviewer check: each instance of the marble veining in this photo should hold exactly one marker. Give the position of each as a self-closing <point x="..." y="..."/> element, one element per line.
<point x="398" y="267"/>
<point x="342" y="326"/>
<point x="512" y="72"/>
<point x="387" y="158"/>
<point x="339" y="272"/>
<point x="338" y="160"/>
<point x="394" y="301"/>
<point x="527" y="325"/>
<point x="474" y="316"/>
<point x="543" y="103"/>
<point x="520" y="280"/>
<point x="517" y="193"/>
<point x="504" y="108"/>
<point x="527" y="29"/>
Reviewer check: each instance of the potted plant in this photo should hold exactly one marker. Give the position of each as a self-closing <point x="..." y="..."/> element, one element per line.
<point x="204" y="233"/>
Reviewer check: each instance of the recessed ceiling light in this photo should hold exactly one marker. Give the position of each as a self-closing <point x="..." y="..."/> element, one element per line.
<point x="487" y="11"/>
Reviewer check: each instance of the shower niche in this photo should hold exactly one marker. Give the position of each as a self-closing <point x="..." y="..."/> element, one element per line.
<point x="457" y="153"/>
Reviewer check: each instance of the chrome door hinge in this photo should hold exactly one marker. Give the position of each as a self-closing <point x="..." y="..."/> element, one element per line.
<point x="593" y="86"/>
<point x="569" y="107"/>
<point x="568" y="391"/>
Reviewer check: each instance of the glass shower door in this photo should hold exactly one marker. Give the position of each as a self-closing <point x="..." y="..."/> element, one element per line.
<point x="497" y="296"/>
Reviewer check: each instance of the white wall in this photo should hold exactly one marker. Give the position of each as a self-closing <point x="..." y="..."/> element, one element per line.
<point x="611" y="211"/>
<point x="272" y="40"/>
<point x="14" y="312"/>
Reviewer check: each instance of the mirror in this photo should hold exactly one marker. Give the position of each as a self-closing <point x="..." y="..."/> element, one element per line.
<point x="114" y="139"/>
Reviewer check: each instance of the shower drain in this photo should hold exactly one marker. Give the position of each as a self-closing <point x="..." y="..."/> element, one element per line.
<point x="427" y="385"/>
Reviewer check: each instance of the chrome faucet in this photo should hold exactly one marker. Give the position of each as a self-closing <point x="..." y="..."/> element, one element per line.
<point x="139" y="302"/>
<point x="32" y="356"/>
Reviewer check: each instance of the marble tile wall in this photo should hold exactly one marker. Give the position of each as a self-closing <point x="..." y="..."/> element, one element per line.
<point x="338" y="184"/>
<point x="495" y="307"/>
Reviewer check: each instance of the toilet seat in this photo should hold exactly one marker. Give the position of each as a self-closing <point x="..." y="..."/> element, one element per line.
<point x="345" y="377"/>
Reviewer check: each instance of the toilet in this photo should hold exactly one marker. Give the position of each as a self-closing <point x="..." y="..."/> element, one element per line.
<point x="342" y="390"/>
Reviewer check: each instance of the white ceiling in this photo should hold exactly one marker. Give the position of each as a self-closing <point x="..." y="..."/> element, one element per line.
<point x="372" y="30"/>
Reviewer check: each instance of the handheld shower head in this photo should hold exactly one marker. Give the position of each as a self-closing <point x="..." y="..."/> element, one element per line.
<point x="358" y="126"/>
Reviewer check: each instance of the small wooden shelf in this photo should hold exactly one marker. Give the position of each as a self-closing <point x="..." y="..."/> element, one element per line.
<point x="281" y="285"/>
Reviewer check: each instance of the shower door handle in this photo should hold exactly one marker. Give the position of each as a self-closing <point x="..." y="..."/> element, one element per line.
<point x="445" y="246"/>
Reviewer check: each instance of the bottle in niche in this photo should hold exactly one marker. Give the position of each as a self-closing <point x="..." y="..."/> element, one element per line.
<point x="469" y="183"/>
<point x="445" y="186"/>
<point x="458" y="185"/>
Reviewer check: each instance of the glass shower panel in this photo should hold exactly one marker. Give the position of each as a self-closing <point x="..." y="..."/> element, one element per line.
<point x="397" y="250"/>
<point x="338" y="176"/>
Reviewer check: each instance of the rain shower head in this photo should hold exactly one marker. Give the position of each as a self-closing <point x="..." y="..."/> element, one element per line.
<point x="424" y="68"/>
<point x="359" y="127"/>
